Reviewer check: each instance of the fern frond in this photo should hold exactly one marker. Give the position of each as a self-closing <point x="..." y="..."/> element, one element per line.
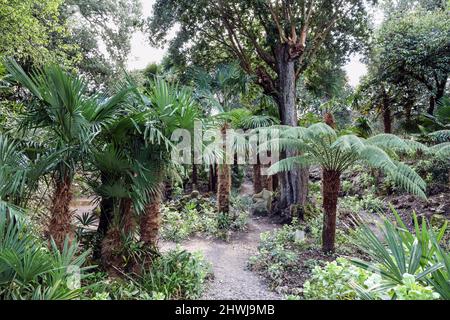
<point x="291" y="163"/>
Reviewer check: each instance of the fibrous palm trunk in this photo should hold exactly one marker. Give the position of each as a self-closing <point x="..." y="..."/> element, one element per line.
<point x="224" y="179"/>
<point x="60" y="226"/>
<point x="112" y="255"/>
<point x="151" y="222"/>
<point x="224" y="188"/>
<point x="106" y="216"/>
<point x="330" y="191"/>
<point x="128" y="222"/>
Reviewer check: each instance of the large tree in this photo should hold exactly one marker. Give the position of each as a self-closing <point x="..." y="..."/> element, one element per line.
<point x="102" y="31"/>
<point x="415" y="47"/>
<point x="29" y="29"/>
<point x="274" y="40"/>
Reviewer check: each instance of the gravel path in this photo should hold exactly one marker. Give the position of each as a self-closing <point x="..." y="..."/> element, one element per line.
<point x="232" y="280"/>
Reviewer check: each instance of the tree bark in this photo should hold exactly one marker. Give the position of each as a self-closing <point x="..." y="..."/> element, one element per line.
<point x="60" y="225"/>
<point x="212" y="178"/>
<point x="432" y="105"/>
<point x="292" y="184"/>
<point x="330" y="191"/>
<point x="106" y="216"/>
<point x="224" y="179"/>
<point x="194" y="176"/>
<point x="257" y="178"/>
<point x="387" y="118"/>
<point x="151" y="222"/>
<point x="127" y="216"/>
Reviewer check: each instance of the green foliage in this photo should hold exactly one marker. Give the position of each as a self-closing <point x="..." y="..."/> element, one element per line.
<point x="176" y="274"/>
<point x="356" y="204"/>
<point x="101" y="30"/>
<point x="277" y="252"/>
<point x="29" y="270"/>
<point x="32" y="31"/>
<point x="401" y="252"/>
<point x="332" y="282"/>
<point x="200" y="217"/>
<point x="341" y="280"/>
<point x="321" y="145"/>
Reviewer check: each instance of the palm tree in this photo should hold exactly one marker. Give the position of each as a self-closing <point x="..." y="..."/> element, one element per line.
<point x="220" y="92"/>
<point x="165" y="107"/>
<point x="247" y="120"/>
<point x="71" y="119"/>
<point x="321" y="145"/>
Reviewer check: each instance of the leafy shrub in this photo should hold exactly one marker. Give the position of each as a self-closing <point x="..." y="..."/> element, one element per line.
<point x="401" y="252"/>
<point x="29" y="270"/>
<point x="368" y="202"/>
<point x="277" y="252"/>
<point x="341" y="280"/>
<point x="201" y="217"/>
<point x="332" y="282"/>
<point x="174" y="275"/>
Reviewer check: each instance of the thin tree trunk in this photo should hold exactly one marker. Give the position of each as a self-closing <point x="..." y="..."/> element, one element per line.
<point x="257" y="178"/>
<point x="151" y="222"/>
<point x="224" y="188"/>
<point x="293" y="190"/>
<point x="224" y="179"/>
<point x="194" y="176"/>
<point x="212" y="178"/>
<point x="330" y="191"/>
<point x="432" y="105"/>
<point x="387" y="118"/>
<point x="60" y="226"/>
<point x="274" y="182"/>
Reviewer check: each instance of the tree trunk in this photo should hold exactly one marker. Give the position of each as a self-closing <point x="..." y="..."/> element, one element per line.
<point x="387" y="118"/>
<point x="106" y="216"/>
<point x="194" y="177"/>
<point x="292" y="184"/>
<point x="60" y="226"/>
<point x="257" y="178"/>
<point x="330" y="191"/>
<point x="432" y="105"/>
<point x="212" y="178"/>
<point x="151" y="222"/>
<point x="224" y="188"/>
<point x="127" y="216"/>
<point x="224" y="179"/>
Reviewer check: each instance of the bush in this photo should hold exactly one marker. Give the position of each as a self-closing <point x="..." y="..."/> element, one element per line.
<point x="402" y="254"/>
<point x="340" y="280"/>
<point x="198" y="216"/>
<point x="29" y="270"/>
<point x="277" y="252"/>
<point x="332" y="282"/>
<point x="177" y="275"/>
<point x="174" y="275"/>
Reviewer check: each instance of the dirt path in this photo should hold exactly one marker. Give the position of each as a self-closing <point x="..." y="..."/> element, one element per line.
<point x="232" y="280"/>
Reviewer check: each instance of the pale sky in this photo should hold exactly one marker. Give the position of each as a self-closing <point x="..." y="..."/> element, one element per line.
<point x="142" y="53"/>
